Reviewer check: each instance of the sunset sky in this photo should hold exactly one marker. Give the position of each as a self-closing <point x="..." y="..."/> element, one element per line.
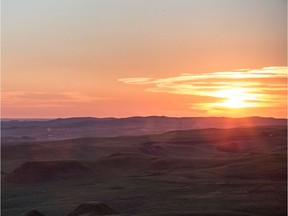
<point x="119" y="58"/>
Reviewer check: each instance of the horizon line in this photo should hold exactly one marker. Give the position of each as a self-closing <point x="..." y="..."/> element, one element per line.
<point x="136" y="116"/>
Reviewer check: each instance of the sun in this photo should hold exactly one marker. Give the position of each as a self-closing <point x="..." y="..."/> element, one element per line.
<point x="235" y="102"/>
<point x="235" y="98"/>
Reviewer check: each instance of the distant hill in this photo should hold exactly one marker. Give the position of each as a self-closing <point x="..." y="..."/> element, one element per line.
<point x="20" y="130"/>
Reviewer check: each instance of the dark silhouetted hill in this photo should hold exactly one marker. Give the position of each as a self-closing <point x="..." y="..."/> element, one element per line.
<point x="41" y="171"/>
<point x="67" y="128"/>
<point x="93" y="209"/>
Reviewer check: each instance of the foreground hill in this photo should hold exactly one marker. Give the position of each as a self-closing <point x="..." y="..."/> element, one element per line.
<point x="215" y="172"/>
<point x="25" y="130"/>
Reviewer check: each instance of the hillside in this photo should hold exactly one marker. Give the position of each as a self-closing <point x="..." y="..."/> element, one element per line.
<point x="215" y="172"/>
<point x="29" y="130"/>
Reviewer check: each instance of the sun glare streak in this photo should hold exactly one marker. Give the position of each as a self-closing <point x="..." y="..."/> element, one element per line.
<point x="236" y="102"/>
<point x="235" y="98"/>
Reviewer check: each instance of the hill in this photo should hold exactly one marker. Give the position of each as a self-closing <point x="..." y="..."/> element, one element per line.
<point x="59" y="129"/>
<point x="235" y="171"/>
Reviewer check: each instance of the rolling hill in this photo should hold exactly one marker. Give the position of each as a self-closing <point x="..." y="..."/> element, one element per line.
<point x="55" y="129"/>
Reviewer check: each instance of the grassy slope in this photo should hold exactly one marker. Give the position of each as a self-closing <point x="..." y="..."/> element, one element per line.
<point x="192" y="176"/>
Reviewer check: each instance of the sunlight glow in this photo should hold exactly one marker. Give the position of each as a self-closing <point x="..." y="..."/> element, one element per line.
<point x="235" y="98"/>
<point x="241" y="92"/>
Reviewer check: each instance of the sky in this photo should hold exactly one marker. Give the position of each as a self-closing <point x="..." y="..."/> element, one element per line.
<point x="111" y="58"/>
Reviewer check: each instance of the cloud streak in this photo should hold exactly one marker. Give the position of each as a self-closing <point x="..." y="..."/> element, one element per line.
<point x="266" y="72"/>
<point x="45" y="99"/>
<point x="258" y="87"/>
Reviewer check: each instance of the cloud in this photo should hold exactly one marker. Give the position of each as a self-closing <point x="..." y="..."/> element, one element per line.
<point x="258" y="87"/>
<point x="266" y="72"/>
<point x="136" y="81"/>
<point x="45" y="99"/>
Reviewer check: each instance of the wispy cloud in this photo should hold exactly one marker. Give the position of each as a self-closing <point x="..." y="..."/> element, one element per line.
<point x="266" y="72"/>
<point x="258" y="87"/>
<point x="45" y="99"/>
<point x="136" y="81"/>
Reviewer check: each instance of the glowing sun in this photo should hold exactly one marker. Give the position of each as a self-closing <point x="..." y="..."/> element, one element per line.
<point x="235" y="98"/>
<point x="235" y="102"/>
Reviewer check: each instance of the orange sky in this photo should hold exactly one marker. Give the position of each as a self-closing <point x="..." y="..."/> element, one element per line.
<point x="162" y="57"/>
